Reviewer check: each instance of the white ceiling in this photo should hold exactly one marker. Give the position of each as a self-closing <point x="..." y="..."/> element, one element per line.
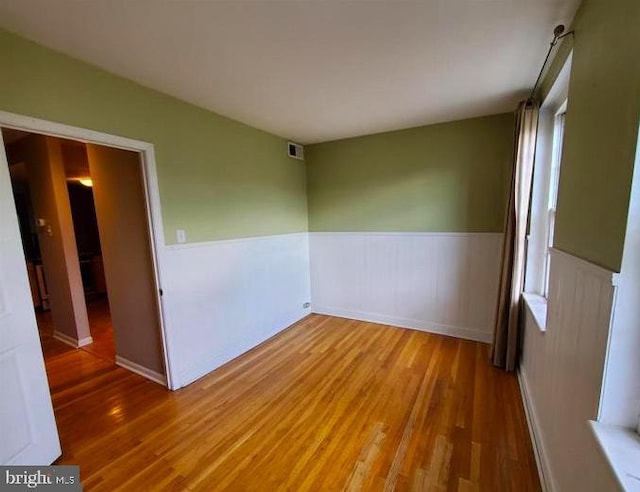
<point x="311" y="70"/>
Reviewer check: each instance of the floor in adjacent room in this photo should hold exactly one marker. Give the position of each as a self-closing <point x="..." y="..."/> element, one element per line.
<point x="328" y="404"/>
<point x="99" y="325"/>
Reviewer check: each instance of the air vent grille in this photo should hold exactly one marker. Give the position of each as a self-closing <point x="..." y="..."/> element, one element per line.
<point x="295" y="150"/>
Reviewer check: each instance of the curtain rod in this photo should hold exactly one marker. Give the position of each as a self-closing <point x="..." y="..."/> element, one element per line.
<point x="557" y="36"/>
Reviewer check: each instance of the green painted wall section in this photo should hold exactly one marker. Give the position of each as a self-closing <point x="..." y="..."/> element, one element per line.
<point x="450" y="177"/>
<point x="218" y="178"/>
<point x="601" y="131"/>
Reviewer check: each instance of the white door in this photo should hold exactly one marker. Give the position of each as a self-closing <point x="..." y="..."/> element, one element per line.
<point x="28" y="434"/>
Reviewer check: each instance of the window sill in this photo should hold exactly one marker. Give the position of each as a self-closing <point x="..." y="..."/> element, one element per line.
<point x="537" y="306"/>
<point x="621" y="447"/>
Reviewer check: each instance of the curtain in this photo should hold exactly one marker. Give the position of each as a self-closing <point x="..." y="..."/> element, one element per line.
<point x="506" y="335"/>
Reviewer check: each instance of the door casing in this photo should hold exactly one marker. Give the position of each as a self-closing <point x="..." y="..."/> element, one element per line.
<point x="151" y="191"/>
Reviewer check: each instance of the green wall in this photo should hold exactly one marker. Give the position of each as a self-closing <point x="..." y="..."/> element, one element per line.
<point x="450" y="177"/>
<point x="218" y="178"/>
<point x="601" y="131"/>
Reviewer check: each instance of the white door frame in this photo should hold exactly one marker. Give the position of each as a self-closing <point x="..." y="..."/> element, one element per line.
<point x="152" y="195"/>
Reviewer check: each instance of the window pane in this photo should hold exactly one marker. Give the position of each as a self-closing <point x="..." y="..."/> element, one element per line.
<point x="558" y="135"/>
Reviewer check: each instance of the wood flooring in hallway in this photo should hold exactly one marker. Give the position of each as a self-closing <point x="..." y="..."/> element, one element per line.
<point x="100" y="328"/>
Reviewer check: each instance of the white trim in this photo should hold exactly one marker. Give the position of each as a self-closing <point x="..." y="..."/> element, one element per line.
<point x="54" y="129"/>
<point x="61" y="337"/>
<point x="152" y="192"/>
<point x="559" y="91"/>
<point x="536" y="268"/>
<point x="409" y="234"/>
<point x="536" y="440"/>
<point x="412" y="324"/>
<point x="620" y="400"/>
<point x="204" y="244"/>
<point x="154" y="376"/>
<point x="587" y="266"/>
<point x="621" y="448"/>
<point x="537" y="306"/>
<point x="85" y="341"/>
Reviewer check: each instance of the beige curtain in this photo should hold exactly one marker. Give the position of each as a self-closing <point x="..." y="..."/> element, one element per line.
<point x="507" y="327"/>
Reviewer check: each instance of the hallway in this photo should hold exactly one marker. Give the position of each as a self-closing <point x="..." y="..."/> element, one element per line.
<point x="100" y="327"/>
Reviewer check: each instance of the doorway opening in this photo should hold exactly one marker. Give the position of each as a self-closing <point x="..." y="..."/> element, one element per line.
<point x="85" y="226"/>
<point x="31" y="178"/>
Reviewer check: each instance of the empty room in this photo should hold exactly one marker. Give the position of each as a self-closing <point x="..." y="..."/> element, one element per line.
<point x="320" y="245"/>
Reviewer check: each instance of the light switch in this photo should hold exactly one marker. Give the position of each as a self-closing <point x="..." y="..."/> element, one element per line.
<point x="181" y="236"/>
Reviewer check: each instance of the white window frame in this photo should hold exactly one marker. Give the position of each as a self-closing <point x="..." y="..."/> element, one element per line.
<point x="545" y="184"/>
<point x="554" y="182"/>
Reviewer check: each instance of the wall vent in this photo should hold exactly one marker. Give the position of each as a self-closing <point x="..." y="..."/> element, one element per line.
<point x="295" y="150"/>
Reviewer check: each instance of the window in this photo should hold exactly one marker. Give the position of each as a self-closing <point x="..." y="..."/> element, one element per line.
<point x="546" y="177"/>
<point x="558" y="136"/>
<point x="620" y="398"/>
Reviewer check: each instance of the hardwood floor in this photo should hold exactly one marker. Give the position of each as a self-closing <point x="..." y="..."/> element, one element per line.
<point x="328" y="404"/>
<point x="101" y="329"/>
<point x="99" y="325"/>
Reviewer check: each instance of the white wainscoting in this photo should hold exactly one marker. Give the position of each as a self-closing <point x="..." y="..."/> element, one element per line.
<point x="438" y="282"/>
<point x="223" y="298"/>
<point x="561" y="373"/>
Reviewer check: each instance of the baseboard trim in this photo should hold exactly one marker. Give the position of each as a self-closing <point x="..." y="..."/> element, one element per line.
<point x="536" y="443"/>
<point x="412" y="324"/>
<point x="154" y="376"/>
<point x="61" y="337"/>
<point x="85" y="341"/>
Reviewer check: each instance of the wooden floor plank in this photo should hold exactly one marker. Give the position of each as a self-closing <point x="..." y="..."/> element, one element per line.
<point x="328" y="404"/>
